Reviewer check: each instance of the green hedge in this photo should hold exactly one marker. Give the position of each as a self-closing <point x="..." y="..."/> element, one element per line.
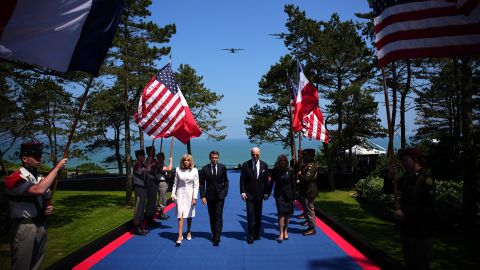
<point x="447" y="204"/>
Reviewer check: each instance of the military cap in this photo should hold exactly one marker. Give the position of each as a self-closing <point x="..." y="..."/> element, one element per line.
<point x="150" y="151"/>
<point x="31" y="149"/>
<point x="410" y="151"/>
<point x="140" y="152"/>
<point x="309" y="151"/>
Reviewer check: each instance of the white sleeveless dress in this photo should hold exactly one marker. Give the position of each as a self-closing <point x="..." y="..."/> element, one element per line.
<point x="185" y="188"/>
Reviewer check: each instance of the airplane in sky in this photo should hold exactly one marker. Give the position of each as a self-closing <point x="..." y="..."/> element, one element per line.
<point x="233" y="50"/>
<point x="278" y="36"/>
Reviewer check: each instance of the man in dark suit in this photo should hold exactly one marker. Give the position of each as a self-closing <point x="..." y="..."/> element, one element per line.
<point x="254" y="189"/>
<point x="213" y="190"/>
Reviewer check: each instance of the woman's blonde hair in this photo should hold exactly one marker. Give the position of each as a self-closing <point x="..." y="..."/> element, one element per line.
<point x="185" y="157"/>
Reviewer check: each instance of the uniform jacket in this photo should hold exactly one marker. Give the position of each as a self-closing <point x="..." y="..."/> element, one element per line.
<point x="250" y="185"/>
<point x="22" y="203"/>
<point x="139" y="175"/>
<point x="417" y="201"/>
<point x="211" y="186"/>
<point x="308" y="186"/>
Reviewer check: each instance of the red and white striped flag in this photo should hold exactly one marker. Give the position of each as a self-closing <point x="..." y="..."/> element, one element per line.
<point x="163" y="111"/>
<point x="308" y="116"/>
<point x="423" y="29"/>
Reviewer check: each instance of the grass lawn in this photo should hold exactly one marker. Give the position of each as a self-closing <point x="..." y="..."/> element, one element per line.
<point x="81" y="217"/>
<point x="453" y="248"/>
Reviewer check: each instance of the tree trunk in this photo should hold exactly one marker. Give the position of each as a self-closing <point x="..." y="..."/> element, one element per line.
<point x="128" y="158"/>
<point x="118" y="157"/>
<point x="403" y="98"/>
<point x="330" y="165"/>
<point x="394" y="104"/>
<point x="468" y="203"/>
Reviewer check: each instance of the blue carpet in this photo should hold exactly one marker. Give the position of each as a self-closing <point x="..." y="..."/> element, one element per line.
<point x="157" y="250"/>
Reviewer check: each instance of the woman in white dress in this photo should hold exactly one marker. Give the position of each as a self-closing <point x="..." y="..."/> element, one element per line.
<point x="184" y="194"/>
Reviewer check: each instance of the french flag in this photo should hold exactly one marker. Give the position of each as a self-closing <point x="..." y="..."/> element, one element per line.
<point x="62" y="35"/>
<point x="307" y="100"/>
<point x="308" y="118"/>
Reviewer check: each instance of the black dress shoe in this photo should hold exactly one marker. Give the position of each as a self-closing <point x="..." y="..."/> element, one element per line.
<point x="305" y="223"/>
<point x="139" y="231"/>
<point x="250" y="241"/>
<point x="301" y="216"/>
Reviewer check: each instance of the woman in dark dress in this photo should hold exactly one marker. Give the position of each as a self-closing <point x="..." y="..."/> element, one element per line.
<point x="283" y="177"/>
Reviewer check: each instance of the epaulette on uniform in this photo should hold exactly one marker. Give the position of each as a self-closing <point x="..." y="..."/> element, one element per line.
<point x="13" y="179"/>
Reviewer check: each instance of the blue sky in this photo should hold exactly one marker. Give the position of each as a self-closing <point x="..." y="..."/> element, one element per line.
<point x="205" y="27"/>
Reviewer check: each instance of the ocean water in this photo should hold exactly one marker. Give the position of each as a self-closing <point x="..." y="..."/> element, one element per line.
<point x="232" y="151"/>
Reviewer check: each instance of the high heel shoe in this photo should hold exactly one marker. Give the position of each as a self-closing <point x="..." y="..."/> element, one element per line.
<point x="189" y="236"/>
<point x="179" y="242"/>
<point x="279" y="239"/>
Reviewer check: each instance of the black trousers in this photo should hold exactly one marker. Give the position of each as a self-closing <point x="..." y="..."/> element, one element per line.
<point x="254" y="217"/>
<point x="215" y="212"/>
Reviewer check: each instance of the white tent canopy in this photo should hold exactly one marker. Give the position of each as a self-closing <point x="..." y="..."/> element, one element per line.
<point x="367" y="147"/>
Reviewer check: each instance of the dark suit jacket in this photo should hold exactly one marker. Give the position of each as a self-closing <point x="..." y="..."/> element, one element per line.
<point x="213" y="186"/>
<point x="250" y="185"/>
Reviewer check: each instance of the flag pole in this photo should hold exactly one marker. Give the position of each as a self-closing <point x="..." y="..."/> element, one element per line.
<point x="72" y="132"/>
<point x="171" y="148"/>
<point x="161" y="144"/>
<point x="292" y="135"/>
<point x="390" y="145"/>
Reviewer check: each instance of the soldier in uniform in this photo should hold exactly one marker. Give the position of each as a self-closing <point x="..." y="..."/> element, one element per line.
<point x="28" y="193"/>
<point x="415" y="216"/>
<point x="152" y="188"/>
<point x="308" y="188"/>
<point x="163" y="174"/>
<point x="139" y="170"/>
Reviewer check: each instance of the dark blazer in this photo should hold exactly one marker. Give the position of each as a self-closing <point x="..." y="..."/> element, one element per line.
<point x="250" y="185"/>
<point x="284" y="184"/>
<point x="213" y="186"/>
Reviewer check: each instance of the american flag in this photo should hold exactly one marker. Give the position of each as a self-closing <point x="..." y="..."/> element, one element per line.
<point x="313" y="126"/>
<point x="162" y="109"/>
<point x="423" y="29"/>
<point x="293" y="95"/>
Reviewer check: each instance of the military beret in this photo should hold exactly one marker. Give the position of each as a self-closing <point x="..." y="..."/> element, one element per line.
<point x="309" y="151"/>
<point x="31" y="149"/>
<point x="139" y="153"/>
<point x="410" y="151"/>
<point x="150" y="151"/>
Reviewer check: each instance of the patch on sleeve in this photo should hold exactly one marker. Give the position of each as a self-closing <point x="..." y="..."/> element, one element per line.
<point x="13" y="179"/>
<point x="429" y="181"/>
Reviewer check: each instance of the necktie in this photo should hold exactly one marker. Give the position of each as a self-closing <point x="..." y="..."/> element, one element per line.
<point x="215" y="170"/>
<point x="255" y="170"/>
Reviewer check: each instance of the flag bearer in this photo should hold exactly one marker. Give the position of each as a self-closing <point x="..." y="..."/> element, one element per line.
<point x="27" y="193"/>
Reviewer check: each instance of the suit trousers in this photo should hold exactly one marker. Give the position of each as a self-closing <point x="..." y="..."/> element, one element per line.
<point x="416" y="250"/>
<point x="28" y="245"/>
<point x="215" y="212"/>
<point x="152" y="188"/>
<point x="140" y="200"/>
<point x="254" y="217"/>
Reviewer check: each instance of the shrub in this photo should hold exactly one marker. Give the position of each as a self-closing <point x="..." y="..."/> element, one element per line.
<point x="370" y="193"/>
<point x="90" y="167"/>
<point x="448" y="199"/>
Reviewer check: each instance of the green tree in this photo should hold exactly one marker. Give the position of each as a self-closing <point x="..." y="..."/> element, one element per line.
<point x="201" y="101"/>
<point x="106" y="124"/>
<point x="136" y="47"/>
<point x="269" y="120"/>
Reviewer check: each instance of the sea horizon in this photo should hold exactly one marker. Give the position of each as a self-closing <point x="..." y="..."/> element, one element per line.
<point x="233" y="151"/>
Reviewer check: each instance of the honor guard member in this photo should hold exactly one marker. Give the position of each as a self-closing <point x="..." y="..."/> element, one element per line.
<point x="28" y="193"/>
<point x="416" y="213"/>
<point x="140" y="187"/>
<point x="163" y="175"/>
<point x="308" y="188"/>
<point x="152" y="187"/>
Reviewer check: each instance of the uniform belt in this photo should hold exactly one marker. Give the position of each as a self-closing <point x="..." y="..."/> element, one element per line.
<point x="30" y="220"/>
